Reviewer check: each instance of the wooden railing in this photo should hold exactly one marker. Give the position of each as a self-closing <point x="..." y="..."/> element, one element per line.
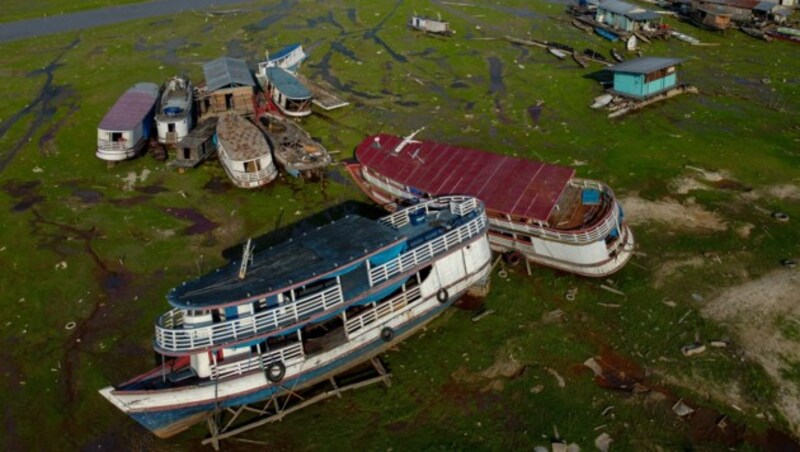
<point x="173" y="335"/>
<point x="287" y="355"/>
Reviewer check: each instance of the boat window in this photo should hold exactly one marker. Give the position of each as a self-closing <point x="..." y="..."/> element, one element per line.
<point x="116" y="136"/>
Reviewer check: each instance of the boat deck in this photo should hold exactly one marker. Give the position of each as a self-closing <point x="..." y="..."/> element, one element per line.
<point x="571" y="213"/>
<point x="518" y="187"/>
<point x="243" y="141"/>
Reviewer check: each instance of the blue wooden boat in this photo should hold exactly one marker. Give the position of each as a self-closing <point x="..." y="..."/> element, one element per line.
<point x="287" y="317"/>
<point x="611" y="36"/>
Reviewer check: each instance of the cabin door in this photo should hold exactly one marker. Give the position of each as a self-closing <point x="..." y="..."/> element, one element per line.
<point x="229" y="101"/>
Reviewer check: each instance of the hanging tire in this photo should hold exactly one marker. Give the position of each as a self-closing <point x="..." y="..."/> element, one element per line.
<point x="387" y="334"/>
<point x="275" y="371"/>
<point x="514" y="258"/>
<point x="442" y="295"/>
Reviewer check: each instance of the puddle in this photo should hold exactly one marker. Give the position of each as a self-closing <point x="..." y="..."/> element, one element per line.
<point x="496" y="84"/>
<point x="373" y="34"/>
<point x="459" y="85"/>
<point x="535" y="112"/>
<point x="152" y="189"/>
<point x="341" y="48"/>
<point x="324" y="67"/>
<point x="237" y="50"/>
<point x="42" y="108"/>
<point x="217" y="185"/>
<point x="200" y="225"/>
<point x="169" y="48"/>
<point x="407" y="103"/>
<point x="26" y="194"/>
<point x="282" y="9"/>
<point x="352" y="15"/>
<point x="130" y="202"/>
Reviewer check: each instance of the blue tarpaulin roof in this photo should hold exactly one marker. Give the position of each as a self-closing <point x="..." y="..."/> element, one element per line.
<point x="226" y="71"/>
<point x="317" y="252"/>
<point x="287" y="84"/>
<point x="645" y="65"/>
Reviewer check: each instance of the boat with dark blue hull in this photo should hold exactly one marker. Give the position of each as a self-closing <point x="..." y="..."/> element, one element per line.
<point x="285" y="318"/>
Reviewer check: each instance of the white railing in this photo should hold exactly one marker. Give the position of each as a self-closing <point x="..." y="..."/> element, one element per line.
<point x="288" y="355"/>
<point x="384" y="309"/>
<point x="427" y="251"/>
<point x="458" y="205"/>
<point x="266" y="172"/>
<point x="173" y="335"/>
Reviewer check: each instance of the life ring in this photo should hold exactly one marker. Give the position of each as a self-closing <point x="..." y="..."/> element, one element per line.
<point x="275" y="371"/>
<point x="442" y="295"/>
<point x="513" y="258"/>
<point x="780" y="216"/>
<point x="70" y="326"/>
<point x="387" y="334"/>
<point x="502" y="274"/>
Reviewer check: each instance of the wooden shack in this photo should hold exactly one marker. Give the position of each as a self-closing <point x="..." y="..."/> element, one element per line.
<point x="740" y="10"/>
<point x="712" y="17"/>
<point x="198" y="145"/>
<point x="645" y="77"/>
<point x="229" y="87"/>
<point x="626" y="17"/>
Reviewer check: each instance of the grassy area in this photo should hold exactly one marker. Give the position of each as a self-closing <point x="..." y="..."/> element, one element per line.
<point x="59" y="204"/>
<point x="18" y="10"/>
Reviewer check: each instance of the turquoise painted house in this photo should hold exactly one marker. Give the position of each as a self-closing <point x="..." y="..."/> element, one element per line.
<point x="627" y="17"/>
<point x="645" y="77"/>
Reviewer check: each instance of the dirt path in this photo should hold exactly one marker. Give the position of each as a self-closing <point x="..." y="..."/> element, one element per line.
<point x="765" y="314"/>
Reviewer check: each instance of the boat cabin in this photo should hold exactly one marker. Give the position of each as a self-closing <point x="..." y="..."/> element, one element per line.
<point x="627" y="17"/>
<point x="713" y="17"/>
<point x="426" y="24"/>
<point x="287" y="92"/>
<point x="229" y="87"/>
<point x="770" y="12"/>
<point x="644" y="77"/>
<point x="740" y="10"/>
<point x="197" y="145"/>
<point x="175" y="112"/>
<point x="127" y="126"/>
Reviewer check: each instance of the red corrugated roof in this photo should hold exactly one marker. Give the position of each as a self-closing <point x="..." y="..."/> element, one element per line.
<point x="509" y="185"/>
<point x="131" y="108"/>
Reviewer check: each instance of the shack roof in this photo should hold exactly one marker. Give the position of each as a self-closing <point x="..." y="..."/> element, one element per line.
<point x="287" y="83"/>
<point x="628" y="10"/>
<point x="226" y="71"/>
<point x="645" y="65"/>
<point x="508" y="185"/>
<point x="740" y="4"/>
<point x="131" y="108"/>
<point x="289" y="263"/>
<point x="200" y="134"/>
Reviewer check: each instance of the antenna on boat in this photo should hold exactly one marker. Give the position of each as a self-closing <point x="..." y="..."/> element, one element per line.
<point x="247" y="258"/>
<point x="407" y="140"/>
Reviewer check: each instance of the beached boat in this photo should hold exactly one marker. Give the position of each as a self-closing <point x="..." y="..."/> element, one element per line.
<point x="429" y="25"/>
<point x="287" y="92"/>
<point x="536" y="211"/>
<point x="303" y="311"/>
<point x="288" y="58"/>
<point x="684" y="37"/>
<point x="174" y="117"/>
<point x="617" y="56"/>
<point x="756" y="33"/>
<point x="558" y="53"/>
<point x="581" y="25"/>
<point x="609" y="35"/>
<point x="293" y="147"/>
<point x="785" y="34"/>
<point x="602" y="101"/>
<point x="126" y="128"/>
<point x="244" y="152"/>
<point x="580" y="59"/>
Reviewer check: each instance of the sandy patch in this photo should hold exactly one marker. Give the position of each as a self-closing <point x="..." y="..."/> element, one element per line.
<point x="744" y="230"/>
<point x="685" y="184"/>
<point x="785" y="191"/>
<point x="669" y="268"/>
<point x="129" y="181"/>
<point x="504" y="366"/>
<point x="667" y="210"/>
<point x="752" y="310"/>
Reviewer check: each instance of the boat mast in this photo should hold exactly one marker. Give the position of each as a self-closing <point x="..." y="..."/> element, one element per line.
<point x="247" y="257"/>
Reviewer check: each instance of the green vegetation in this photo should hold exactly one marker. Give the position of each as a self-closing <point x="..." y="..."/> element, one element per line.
<point x="58" y="203"/>
<point x="18" y="10"/>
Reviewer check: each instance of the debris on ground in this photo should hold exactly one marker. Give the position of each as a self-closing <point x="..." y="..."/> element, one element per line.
<point x="719" y="344"/>
<point x="558" y="377"/>
<point x="591" y="363"/>
<point x="693" y="349"/>
<point x="697" y="297"/>
<point x="570" y="296"/>
<point x="483" y="313"/>
<point x="612" y="290"/>
<point x="682" y="409"/>
<point x="603" y="442"/>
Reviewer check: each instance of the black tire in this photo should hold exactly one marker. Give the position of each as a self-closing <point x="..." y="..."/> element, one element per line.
<point x="387" y="334"/>
<point x="442" y="295"/>
<point x="275" y="371"/>
<point x="513" y="258"/>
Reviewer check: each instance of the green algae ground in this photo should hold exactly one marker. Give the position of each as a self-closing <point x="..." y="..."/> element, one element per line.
<point x="100" y="247"/>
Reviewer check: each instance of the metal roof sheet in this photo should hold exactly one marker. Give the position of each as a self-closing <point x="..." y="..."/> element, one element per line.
<point x="645" y="65"/>
<point x="226" y="71"/>
<point x="628" y="10"/>
<point x="508" y="185"/>
<point x="287" y="83"/>
<point x="131" y="108"/>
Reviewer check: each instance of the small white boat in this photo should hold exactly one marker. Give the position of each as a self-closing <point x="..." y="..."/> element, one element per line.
<point x="288" y="58"/>
<point x="684" y="37"/>
<point x="602" y="100"/>
<point x="631" y="43"/>
<point x="429" y="25"/>
<point x="174" y="117"/>
<point x="560" y="54"/>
